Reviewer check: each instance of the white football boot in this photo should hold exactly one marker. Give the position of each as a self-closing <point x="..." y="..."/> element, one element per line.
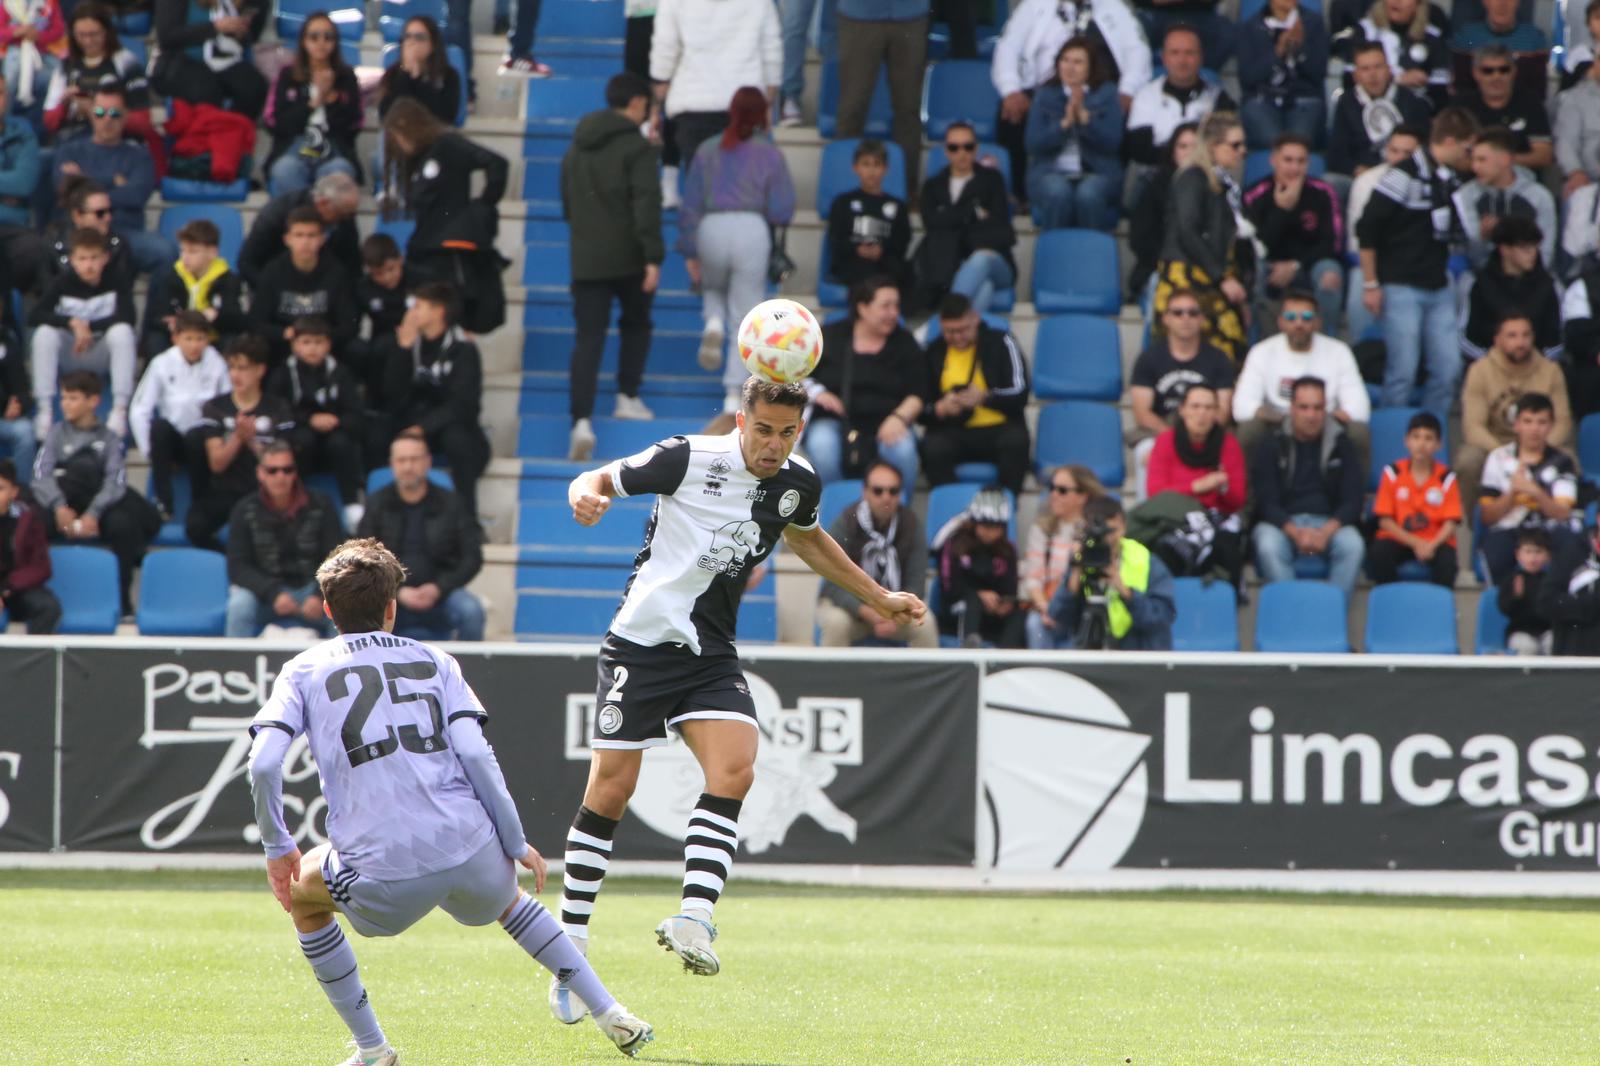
<point x="690" y="939"/>
<point x="568" y="1008"/>
<point x="384" y="1056"/>
<point x="628" y="1032"/>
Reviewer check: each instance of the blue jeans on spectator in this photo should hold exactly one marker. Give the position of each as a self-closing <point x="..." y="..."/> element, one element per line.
<point x="524" y="21"/>
<point x="796" y="17"/>
<point x="1216" y="32"/>
<point x="1264" y="119"/>
<point x="1275" y="552"/>
<point x="292" y="172"/>
<point x="980" y="275"/>
<point x="1062" y="201"/>
<point x="16" y="435"/>
<point x="1420" y="324"/>
<point x="1042" y="637"/>
<point x="458" y="31"/>
<point x="153" y="253"/>
<point x="33" y="113"/>
<point x="824" y="446"/>
<point x="1329" y="300"/>
<point x="459" y="616"/>
<point x="247" y="616"/>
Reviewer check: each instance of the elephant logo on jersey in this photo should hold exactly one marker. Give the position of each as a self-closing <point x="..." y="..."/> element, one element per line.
<point x="731" y="547"/>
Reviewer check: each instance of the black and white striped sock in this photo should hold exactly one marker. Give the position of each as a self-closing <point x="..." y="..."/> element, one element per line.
<point x="708" y="849"/>
<point x="588" y="855"/>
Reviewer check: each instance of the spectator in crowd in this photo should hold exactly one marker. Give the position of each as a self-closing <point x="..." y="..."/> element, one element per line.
<point x="1263" y="399"/>
<point x="1296" y="219"/>
<point x="382" y="294"/>
<point x="1569" y="595"/>
<point x="33" y="36"/>
<point x="869" y="230"/>
<point x="1164" y="372"/>
<point x="434" y="384"/>
<point x="1527" y="624"/>
<point x="1147" y="222"/>
<point x="980" y="383"/>
<point x="1499" y="26"/>
<point x="87" y="206"/>
<point x="1309" y="485"/>
<point x="1491" y="396"/>
<point x="437" y="540"/>
<point x="1198" y="252"/>
<point x="892" y="34"/>
<point x="166" y="408"/>
<point x="1052" y="542"/>
<point x="430" y="170"/>
<point x="1405" y="234"/>
<point x="1514" y="281"/>
<point x="1579" y="58"/>
<point x="1498" y="103"/>
<point x="1499" y="190"/>
<point x="16" y="428"/>
<point x="867" y="394"/>
<point x="123" y="168"/>
<point x="423" y="73"/>
<point x="884" y="537"/>
<point x="302" y="281"/>
<point x="278" y="537"/>
<point x="84" y="321"/>
<point x="1214" y="31"/>
<point x="24" y="558"/>
<point x="95" y="56"/>
<point x="1177" y="97"/>
<point x="1200" y="459"/>
<point x="1528" y="483"/>
<point x="316" y="112"/>
<point x="519" y="60"/>
<point x="1577" y="134"/>
<point x="1283" y="60"/>
<point x="704" y="51"/>
<point x="978" y="576"/>
<point x="1367" y="113"/>
<point x="966" y="214"/>
<point x="1403" y="142"/>
<point x="81" y="481"/>
<point x="1074" y="143"/>
<point x="326" y="401"/>
<point x="1139" y="604"/>
<point x="19" y="176"/>
<point x="738" y="188"/>
<point x="200" y="281"/>
<point x="610" y="196"/>
<point x="1418" y="509"/>
<point x="1581" y="334"/>
<point x="1412" y="33"/>
<point x="234" y="430"/>
<point x="795" y="17"/>
<point x="335" y="198"/>
<point x="206" y="54"/>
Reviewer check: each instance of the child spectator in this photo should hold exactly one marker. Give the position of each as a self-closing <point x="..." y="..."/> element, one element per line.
<point x="234" y="429"/>
<point x="1528" y="484"/>
<point x="302" y="281"/>
<point x="978" y="575"/>
<point x="1418" y="510"/>
<point x="1569" y="595"/>
<point x="383" y="293"/>
<point x="1527" y="623"/>
<point x="175" y="386"/>
<point x="200" y="281"/>
<point x="81" y="480"/>
<point x="24" y="558"/>
<point x="16" y="429"/>
<point x="868" y="230"/>
<point x="316" y="112"/>
<point x="423" y="72"/>
<point x="326" y="402"/>
<point x="85" y="322"/>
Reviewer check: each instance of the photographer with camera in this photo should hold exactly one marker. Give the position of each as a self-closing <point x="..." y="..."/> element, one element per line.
<point x="978" y="575"/>
<point x="1118" y="595"/>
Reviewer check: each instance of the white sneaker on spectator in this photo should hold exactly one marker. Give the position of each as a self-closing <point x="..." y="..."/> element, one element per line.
<point x="580" y="445"/>
<point x="632" y="408"/>
<point x="669" y="189"/>
<point x="791" y="114"/>
<point x="42" y="420"/>
<point x="711" y="341"/>
<point x="523" y="67"/>
<point x="117" y="420"/>
<point x="352" y="516"/>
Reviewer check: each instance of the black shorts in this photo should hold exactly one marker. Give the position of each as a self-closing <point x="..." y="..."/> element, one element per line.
<point x="644" y="691"/>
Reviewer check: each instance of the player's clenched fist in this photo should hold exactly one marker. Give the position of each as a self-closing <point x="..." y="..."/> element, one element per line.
<point x="902" y="608"/>
<point x="587" y="507"/>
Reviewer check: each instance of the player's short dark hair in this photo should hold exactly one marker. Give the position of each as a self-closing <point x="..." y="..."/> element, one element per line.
<point x="1516" y="231"/>
<point x="85" y="381"/>
<point x="441" y="293"/>
<point x="623" y="89"/>
<point x="1290" y="137"/>
<point x="870" y="148"/>
<point x="304" y="215"/>
<point x="90" y="239"/>
<point x="313" y="326"/>
<point x="1426" y="420"/>
<point x="1103" y="508"/>
<point x="8" y="472"/>
<point x="781" y="393"/>
<point x="250" y="347"/>
<point x="378" y="249"/>
<point x="1498" y="138"/>
<point x="190" y="322"/>
<point x="200" y="231"/>
<point x="953" y="306"/>
<point x="1308" y="381"/>
<point x="1529" y="403"/>
<point x="1454" y="123"/>
<point x="358" y="580"/>
<point x="1535" y="536"/>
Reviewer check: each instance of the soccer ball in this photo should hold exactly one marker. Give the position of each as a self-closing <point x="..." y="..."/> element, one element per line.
<point x="779" y="340"/>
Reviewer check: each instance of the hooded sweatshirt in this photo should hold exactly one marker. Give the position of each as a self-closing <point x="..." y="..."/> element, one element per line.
<point x="611" y="198"/>
<point x="1490" y="394"/>
<point x="1523" y="196"/>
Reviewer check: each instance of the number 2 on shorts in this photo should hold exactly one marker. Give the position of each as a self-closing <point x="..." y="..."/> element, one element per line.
<point x="619" y="677"/>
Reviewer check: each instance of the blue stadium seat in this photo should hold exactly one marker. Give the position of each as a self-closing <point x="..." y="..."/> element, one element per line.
<point x="547" y="393"/>
<point x="1208" y="616"/>
<point x="583" y="28"/>
<point x="836" y="175"/>
<point x="1589" y="447"/>
<point x="172" y="534"/>
<point x="392" y="16"/>
<point x="1489" y="636"/>
<point x="5" y="619"/>
<point x="829" y="293"/>
<point x="878" y="112"/>
<point x="947" y="501"/>
<point x="556" y="104"/>
<point x="1076" y="431"/>
<point x="230" y="227"/>
<point x="351" y="22"/>
<point x="138" y="47"/>
<point x="400" y="229"/>
<point x="382" y="476"/>
<point x="977" y="473"/>
<point x="350" y="51"/>
<point x="989" y="155"/>
<point x="458" y="59"/>
<point x="1388" y="429"/>
<point x="545" y="436"/>
<point x="836" y="496"/>
<point x="1411" y="618"/>
<point x="1076" y="270"/>
<point x="960" y="89"/>
<point x="1258" y="165"/>
<point x="84" y="579"/>
<point x="1077" y="357"/>
<point x="191" y="191"/>
<point x="132" y="24"/>
<point x="183" y="593"/>
<point x="565" y="614"/>
<point x="758" y="614"/>
<point x="547" y="532"/>
<point x="1301" y="617"/>
<point x="1251" y="8"/>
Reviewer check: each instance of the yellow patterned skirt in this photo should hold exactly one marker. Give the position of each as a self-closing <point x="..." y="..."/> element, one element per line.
<point x="1224" y="322"/>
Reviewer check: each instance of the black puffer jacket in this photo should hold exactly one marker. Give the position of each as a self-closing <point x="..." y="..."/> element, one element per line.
<point x="269" y="551"/>
<point x="454" y="539"/>
<point x="1200" y="224"/>
<point x="611" y="196"/>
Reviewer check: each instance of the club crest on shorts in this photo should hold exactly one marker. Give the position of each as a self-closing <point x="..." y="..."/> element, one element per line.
<point x="787" y="503"/>
<point x="610" y="719"/>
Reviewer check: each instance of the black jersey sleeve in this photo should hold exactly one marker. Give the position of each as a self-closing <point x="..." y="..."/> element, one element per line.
<point x="658" y="469"/>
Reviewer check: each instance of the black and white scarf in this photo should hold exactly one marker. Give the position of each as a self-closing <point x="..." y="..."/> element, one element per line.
<point x="878" y="558"/>
<point x="1379" y="114"/>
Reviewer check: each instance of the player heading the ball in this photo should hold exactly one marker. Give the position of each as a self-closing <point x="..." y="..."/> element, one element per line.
<point x="418" y="812"/>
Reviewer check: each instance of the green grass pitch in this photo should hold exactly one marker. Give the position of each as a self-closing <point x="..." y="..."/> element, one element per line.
<point x="201" y="968"/>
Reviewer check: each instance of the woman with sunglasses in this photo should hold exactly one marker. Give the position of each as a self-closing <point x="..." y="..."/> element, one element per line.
<point x="94" y="54"/>
<point x="1200" y="251"/>
<point x="1074" y="140"/>
<point x="87" y="205"/>
<point x="206" y="53"/>
<point x="423" y="73"/>
<point x="1052" y="540"/>
<point x="315" y="113"/>
<point x="966" y="212"/>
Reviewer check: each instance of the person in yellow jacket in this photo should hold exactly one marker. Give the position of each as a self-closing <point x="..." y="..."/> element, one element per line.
<point x="1138" y="606"/>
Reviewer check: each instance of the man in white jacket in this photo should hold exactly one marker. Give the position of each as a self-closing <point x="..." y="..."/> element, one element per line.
<point x="1261" y="395"/>
<point x="166" y="405"/>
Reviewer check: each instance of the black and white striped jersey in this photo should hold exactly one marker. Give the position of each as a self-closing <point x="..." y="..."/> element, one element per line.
<point x="713" y="522"/>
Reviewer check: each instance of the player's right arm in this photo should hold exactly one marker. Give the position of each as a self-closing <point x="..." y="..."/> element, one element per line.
<point x="659" y="469"/>
<point x="590" y="494"/>
<point x="279" y="721"/>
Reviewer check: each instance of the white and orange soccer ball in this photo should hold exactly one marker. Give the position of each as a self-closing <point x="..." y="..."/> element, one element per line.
<point x="779" y="340"/>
